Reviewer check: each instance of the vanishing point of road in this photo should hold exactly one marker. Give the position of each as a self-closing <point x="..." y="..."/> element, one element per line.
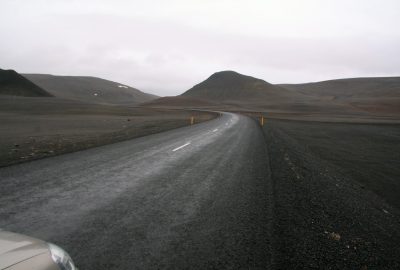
<point x="196" y="197"/>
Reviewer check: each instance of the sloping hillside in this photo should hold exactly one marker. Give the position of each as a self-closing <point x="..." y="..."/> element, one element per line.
<point x="89" y="89"/>
<point x="13" y="84"/>
<point x="374" y="95"/>
<point x="379" y="87"/>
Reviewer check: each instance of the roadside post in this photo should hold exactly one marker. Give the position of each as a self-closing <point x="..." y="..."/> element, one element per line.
<point x="192" y="120"/>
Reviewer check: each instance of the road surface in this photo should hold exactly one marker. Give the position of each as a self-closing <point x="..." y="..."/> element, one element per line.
<point x="196" y="197"/>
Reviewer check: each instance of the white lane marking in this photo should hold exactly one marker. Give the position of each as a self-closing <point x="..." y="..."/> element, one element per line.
<point x="180" y="147"/>
<point x="215" y="130"/>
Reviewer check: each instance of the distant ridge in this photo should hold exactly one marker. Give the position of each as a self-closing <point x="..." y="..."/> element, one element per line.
<point x="372" y="95"/>
<point x="14" y="84"/>
<point x="351" y="88"/>
<point x="89" y="89"/>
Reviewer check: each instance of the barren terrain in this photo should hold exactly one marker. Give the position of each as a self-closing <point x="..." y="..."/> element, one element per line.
<point x="33" y="128"/>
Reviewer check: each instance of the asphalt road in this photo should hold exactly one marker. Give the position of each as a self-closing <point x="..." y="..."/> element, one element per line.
<point x="196" y="197"/>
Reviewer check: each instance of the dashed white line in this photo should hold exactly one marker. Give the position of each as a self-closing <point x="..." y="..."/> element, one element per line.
<point x="180" y="147"/>
<point x="215" y="130"/>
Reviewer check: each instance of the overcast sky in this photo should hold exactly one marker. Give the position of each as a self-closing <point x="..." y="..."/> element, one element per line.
<point x="165" y="47"/>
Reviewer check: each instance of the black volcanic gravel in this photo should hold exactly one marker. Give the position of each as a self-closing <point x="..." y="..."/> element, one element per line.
<point x="324" y="217"/>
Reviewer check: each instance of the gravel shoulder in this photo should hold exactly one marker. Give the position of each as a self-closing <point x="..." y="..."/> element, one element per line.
<point x="329" y="212"/>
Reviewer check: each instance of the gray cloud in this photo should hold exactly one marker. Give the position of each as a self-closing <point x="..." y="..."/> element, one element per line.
<point x="167" y="48"/>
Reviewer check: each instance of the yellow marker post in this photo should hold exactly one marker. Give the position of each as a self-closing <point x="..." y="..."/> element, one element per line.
<point x="262" y="120"/>
<point x="192" y="120"/>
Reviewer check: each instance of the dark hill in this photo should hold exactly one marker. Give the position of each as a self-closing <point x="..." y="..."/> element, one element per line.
<point x="14" y="84"/>
<point x="89" y="89"/>
<point x="233" y="87"/>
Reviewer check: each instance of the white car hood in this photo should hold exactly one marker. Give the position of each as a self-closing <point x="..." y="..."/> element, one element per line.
<point x="15" y="248"/>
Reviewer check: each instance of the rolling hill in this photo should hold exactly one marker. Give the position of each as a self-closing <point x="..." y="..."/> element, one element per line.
<point x="230" y="90"/>
<point x="14" y="84"/>
<point x="234" y="88"/>
<point x="89" y="89"/>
